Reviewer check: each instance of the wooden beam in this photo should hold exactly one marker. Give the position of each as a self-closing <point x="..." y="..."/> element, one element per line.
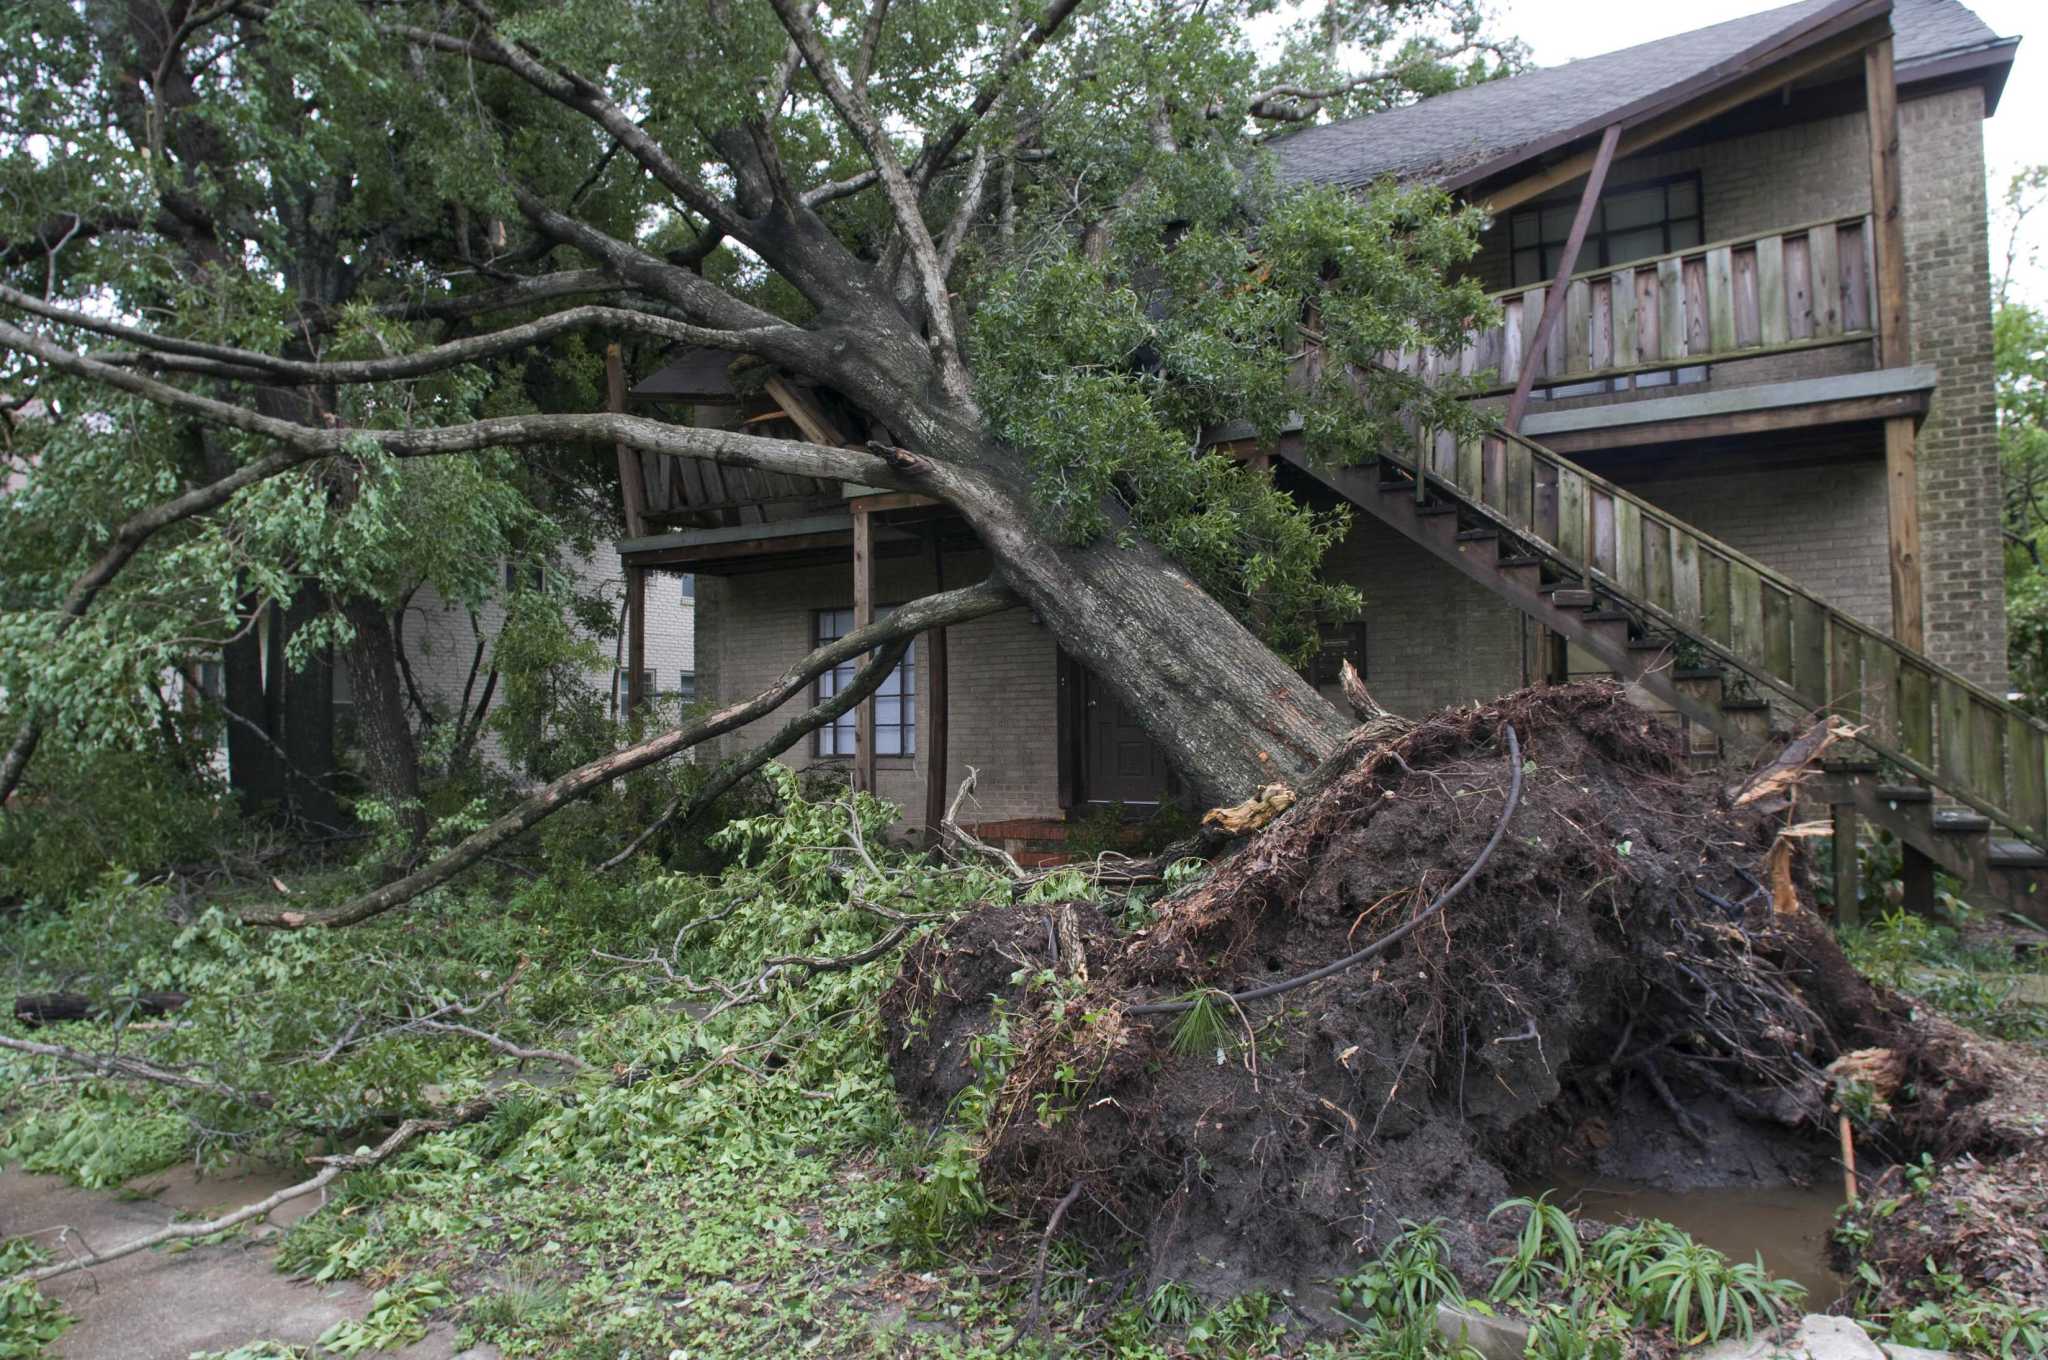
<point x="1881" y="94"/>
<point x="739" y="549"/>
<point x="636" y="638"/>
<point x="1902" y="405"/>
<point x="632" y="481"/>
<point x="802" y="409"/>
<point x="1888" y="247"/>
<point x="936" y="700"/>
<point x="1554" y="297"/>
<point x="1679" y="120"/>
<point x="892" y="500"/>
<point x="1902" y="494"/>
<point x="1847" y="911"/>
<point x="863" y="615"/>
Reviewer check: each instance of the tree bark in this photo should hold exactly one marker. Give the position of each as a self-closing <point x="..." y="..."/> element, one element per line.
<point x="390" y="756"/>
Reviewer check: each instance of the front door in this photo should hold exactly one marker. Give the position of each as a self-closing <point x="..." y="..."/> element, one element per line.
<point x="1119" y="763"/>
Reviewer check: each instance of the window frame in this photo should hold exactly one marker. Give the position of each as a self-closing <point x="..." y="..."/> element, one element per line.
<point x="835" y="740"/>
<point x="1597" y="233"/>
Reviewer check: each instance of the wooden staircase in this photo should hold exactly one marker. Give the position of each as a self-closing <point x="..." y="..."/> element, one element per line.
<point x="1713" y="634"/>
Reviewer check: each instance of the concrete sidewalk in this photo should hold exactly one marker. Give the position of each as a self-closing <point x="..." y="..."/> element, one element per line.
<point x="158" y="1305"/>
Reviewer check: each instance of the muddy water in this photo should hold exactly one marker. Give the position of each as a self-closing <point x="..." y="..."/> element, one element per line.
<point x="1789" y="1225"/>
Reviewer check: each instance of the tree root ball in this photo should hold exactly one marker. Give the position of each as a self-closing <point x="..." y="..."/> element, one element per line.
<point x="1616" y="994"/>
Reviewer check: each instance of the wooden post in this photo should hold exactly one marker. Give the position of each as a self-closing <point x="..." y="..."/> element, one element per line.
<point x="863" y="615"/>
<point x="1553" y="299"/>
<point x="632" y="484"/>
<point x="1916" y="877"/>
<point x="936" y="759"/>
<point x="1888" y="229"/>
<point x="636" y="637"/>
<point x="1847" y="912"/>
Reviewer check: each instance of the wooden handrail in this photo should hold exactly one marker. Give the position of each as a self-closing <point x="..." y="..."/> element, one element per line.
<point x="1684" y="252"/>
<point x="1955" y="734"/>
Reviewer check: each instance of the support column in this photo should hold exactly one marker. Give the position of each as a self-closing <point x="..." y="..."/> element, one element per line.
<point x="1847" y="910"/>
<point x="1553" y="299"/>
<point x="636" y="638"/>
<point x="1888" y="225"/>
<point x="632" y="483"/>
<point x="863" y="615"/>
<point x="936" y="761"/>
<point x="1916" y="877"/>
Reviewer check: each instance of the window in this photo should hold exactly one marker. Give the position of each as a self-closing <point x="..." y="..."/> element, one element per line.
<point x="532" y="574"/>
<point x="687" y="591"/>
<point x="686" y="686"/>
<point x="213" y="683"/>
<point x="622" y="687"/>
<point x="1629" y="223"/>
<point x="895" y="701"/>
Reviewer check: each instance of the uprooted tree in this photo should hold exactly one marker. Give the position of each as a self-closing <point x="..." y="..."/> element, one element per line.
<point x="294" y="290"/>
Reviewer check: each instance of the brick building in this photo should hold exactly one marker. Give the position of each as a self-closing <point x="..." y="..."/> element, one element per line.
<point x="1765" y="359"/>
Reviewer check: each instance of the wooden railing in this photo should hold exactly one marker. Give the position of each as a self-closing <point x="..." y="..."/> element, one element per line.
<point x="1961" y="738"/>
<point x="1795" y="289"/>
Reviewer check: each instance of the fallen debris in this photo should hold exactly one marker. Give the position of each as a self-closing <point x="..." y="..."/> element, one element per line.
<point x="1626" y="987"/>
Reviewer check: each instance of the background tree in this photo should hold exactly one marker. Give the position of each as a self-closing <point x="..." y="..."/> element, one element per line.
<point x="278" y="260"/>
<point x="2020" y="343"/>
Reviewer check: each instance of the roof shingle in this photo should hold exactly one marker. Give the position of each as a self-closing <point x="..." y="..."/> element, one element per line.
<point x="1438" y="137"/>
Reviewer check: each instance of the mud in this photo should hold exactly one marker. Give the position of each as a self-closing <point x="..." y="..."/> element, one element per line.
<point x="1615" y="994"/>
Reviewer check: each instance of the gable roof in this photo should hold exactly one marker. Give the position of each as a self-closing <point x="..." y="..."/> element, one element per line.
<point x="1446" y="138"/>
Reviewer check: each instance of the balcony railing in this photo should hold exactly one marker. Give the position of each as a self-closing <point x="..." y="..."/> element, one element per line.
<point x="1799" y="288"/>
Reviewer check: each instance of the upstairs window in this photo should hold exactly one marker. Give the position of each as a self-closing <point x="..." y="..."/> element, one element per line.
<point x="895" y="702"/>
<point x="1629" y="223"/>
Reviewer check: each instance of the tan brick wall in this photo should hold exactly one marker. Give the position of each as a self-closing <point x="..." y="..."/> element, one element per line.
<point x="1432" y="637"/>
<point x="1948" y="277"/>
<point x="1004" y="719"/>
<point x="1823" y="526"/>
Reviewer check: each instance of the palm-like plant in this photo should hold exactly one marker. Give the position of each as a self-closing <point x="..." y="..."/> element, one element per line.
<point x="1547" y="1245"/>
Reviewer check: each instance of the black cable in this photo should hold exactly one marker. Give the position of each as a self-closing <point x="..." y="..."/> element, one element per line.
<point x="1392" y="937"/>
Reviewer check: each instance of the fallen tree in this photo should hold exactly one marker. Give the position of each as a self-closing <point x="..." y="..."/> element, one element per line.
<point x="1049" y="386"/>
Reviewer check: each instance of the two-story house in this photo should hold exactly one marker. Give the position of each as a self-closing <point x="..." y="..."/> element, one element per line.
<point x="1744" y="374"/>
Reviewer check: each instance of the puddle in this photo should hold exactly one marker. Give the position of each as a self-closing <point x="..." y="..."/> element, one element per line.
<point x="1789" y="1225"/>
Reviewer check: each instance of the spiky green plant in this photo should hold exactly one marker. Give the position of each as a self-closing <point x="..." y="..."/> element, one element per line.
<point x="1202" y="1028"/>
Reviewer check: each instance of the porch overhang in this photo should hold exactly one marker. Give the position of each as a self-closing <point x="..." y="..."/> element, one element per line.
<point x="1763" y="408"/>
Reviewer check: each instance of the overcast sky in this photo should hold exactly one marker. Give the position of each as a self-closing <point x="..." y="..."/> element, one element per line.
<point x="1558" y="31"/>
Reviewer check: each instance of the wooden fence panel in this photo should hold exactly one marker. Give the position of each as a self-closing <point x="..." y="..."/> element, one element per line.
<point x="1716" y="615"/>
<point x="1773" y="311"/>
<point x="1720" y="300"/>
<point x="1827" y="282"/>
<point x="1670" y="309"/>
<point x="1798" y="288"/>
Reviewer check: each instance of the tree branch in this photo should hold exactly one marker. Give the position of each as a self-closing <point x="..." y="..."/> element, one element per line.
<point x="853" y="107"/>
<point x="330" y="1169"/>
<point x="933" y="611"/>
<point x="941" y="148"/>
<point x="134" y="1069"/>
<point x="243" y="365"/>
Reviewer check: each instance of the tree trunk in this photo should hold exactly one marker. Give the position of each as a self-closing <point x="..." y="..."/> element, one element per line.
<point x="390" y="757"/>
<point x="307" y="712"/>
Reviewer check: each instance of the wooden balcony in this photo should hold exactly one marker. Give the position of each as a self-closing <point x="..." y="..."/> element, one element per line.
<point x="1800" y="288"/>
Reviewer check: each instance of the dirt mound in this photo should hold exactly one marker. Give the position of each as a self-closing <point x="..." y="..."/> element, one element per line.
<point x="1614" y="988"/>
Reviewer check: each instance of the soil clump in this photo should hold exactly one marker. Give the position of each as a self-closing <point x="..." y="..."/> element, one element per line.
<point x="1619" y="991"/>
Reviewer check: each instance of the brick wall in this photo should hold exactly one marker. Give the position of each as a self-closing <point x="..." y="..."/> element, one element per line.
<point x="1948" y="278"/>
<point x="1432" y="637"/>
<point x="1823" y="526"/>
<point x="1004" y="719"/>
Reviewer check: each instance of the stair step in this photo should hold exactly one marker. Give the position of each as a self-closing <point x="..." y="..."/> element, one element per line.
<point x="1698" y="673"/>
<point x="1565" y="597"/>
<point x="1744" y="705"/>
<point x="1905" y="793"/>
<point x="2007" y="854"/>
<point x="1519" y="560"/>
<point x="1608" y="616"/>
<point x="1653" y="644"/>
<point x="1961" y="823"/>
<point x="1477" y="535"/>
<point x="1438" y="508"/>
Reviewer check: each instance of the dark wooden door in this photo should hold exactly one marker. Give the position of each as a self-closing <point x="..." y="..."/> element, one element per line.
<point x="1119" y="763"/>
